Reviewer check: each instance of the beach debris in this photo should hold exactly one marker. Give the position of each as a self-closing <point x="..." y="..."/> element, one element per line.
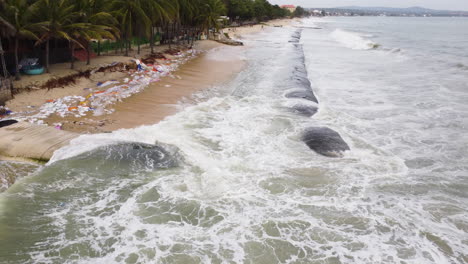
<point x="106" y="83"/>
<point x="152" y="58"/>
<point x="173" y="52"/>
<point x="106" y="93"/>
<point x="58" y="126"/>
<point x="72" y="78"/>
<point x="3" y="111"/>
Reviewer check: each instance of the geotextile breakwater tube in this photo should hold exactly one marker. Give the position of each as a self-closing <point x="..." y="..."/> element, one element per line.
<point x="322" y="140"/>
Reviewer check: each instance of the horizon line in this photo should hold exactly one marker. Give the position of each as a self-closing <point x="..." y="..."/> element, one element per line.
<point x="379" y="6"/>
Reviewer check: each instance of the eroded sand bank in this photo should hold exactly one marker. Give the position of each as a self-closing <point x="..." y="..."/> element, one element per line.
<point x="150" y="106"/>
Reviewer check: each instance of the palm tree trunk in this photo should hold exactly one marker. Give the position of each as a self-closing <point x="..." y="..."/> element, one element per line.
<point x="2" y="59"/>
<point x="17" y="73"/>
<point x="99" y="48"/>
<point x="152" y="39"/>
<point x="123" y="43"/>
<point x="174" y="33"/>
<point x="126" y="47"/>
<point x="138" y="45"/>
<point x="168" y="36"/>
<point x="193" y="36"/>
<point x="47" y="56"/>
<point x="88" y="53"/>
<point x="72" y="49"/>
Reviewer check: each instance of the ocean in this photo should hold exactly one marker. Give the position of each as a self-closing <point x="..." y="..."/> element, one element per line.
<point x="229" y="179"/>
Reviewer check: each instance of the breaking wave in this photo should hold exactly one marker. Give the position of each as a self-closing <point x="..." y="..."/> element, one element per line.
<point x="353" y="40"/>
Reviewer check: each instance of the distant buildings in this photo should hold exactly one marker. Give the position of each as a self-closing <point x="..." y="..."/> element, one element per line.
<point x="316" y="12"/>
<point x="402" y="12"/>
<point x="291" y="8"/>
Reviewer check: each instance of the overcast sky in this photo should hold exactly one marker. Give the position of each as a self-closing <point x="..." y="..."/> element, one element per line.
<point x="434" y="4"/>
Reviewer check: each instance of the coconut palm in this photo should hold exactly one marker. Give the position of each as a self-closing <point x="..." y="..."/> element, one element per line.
<point x="58" y="16"/>
<point x="189" y="12"/>
<point x="131" y="15"/>
<point x="79" y="33"/>
<point x="62" y="21"/>
<point x="80" y="21"/>
<point x="95" y="12"/>
<point x="19" y="14"/>
<point x="160" y="12"/>
<point x="210" y="11"/>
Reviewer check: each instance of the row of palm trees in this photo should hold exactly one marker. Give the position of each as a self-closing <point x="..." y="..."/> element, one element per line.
<point x="81" y="21"/>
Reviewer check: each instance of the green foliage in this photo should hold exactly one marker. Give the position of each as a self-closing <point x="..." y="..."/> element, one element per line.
<point x="111" y="45"/>
<point x="300" y="12"/>
<point x="18" y="13"/>
<point x="260" y="10"/>
<point x="74" y="20"/>
<point x="209" y="13"/>
<point x="81" y="21"/>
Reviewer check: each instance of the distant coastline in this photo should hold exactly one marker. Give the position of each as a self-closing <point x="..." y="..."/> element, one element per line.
<point x="386" y="11"/>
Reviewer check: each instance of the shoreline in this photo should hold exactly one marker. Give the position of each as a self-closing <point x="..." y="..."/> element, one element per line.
<point x="149" y="106"/>
<point x="153" y="103"/>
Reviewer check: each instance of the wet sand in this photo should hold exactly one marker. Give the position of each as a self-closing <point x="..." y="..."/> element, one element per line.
<point x="159" y="99"/>
<point x="150" y="106"/>
<point x="156" y="101"/>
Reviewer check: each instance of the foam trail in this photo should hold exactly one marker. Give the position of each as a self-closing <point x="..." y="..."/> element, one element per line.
<point x="235" y="183"/>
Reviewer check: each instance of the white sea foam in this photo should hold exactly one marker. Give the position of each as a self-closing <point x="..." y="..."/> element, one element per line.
<point x="353" y="40"/>
<point x="249" y="190"/>
<point x="226" y="53"/>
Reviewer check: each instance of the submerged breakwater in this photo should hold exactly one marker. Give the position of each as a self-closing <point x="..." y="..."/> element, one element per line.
<point x="232" y="178"/>
<point x="322" y="140"/>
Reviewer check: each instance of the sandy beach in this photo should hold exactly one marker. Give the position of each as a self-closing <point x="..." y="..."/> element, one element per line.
<point x="335" y="139"/>
<point x="209" y="64"/>
<point x="149" y="106"/>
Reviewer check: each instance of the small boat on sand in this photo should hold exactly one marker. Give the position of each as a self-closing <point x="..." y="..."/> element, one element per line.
<point x="34" y="70"/>
<point x="31" y="66"/>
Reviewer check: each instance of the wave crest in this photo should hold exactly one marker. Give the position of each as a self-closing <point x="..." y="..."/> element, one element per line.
<point x="353" y="40"/>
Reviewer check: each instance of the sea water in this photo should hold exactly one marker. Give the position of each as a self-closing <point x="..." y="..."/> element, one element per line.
<point x="229" y="180"/>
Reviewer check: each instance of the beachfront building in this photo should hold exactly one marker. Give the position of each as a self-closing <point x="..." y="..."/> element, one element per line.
<point x="291" y="8"/>
<point x="317" y="12"/>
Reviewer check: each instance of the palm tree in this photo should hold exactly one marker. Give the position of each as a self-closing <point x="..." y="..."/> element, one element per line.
<point x="210" y="11"/>
<point x="56" y="14"/>
<point x="19" y="13"/>
<point x="188" y="13"/>
<point x="6" y="30"/>
<point x="159" y="11"/>
<point x="131" y="15"/>
<point x="95" y="13"/>
<point x="62" y="21"/>
<point x="77" y="33"/>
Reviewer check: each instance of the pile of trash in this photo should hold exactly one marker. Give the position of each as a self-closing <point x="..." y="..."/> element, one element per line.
<point x="99" y="98"/>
